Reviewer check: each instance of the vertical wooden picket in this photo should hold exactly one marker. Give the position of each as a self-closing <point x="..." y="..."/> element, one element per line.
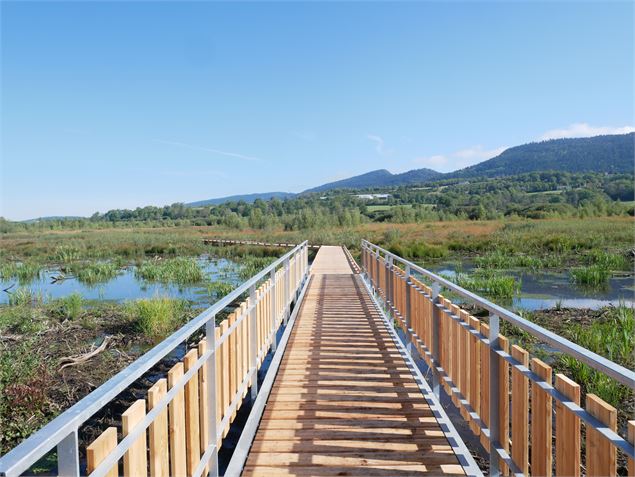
<point x="601" y="455"/>
<point x="203" y="401"/>
<point x="99" y="450"/>
<point x="520" y="412"/>
<point x="503" y="402"/>
<point x="232" y="364"/>
<point x="135" y="461"/>
<point x="192" y="433"/>
<point x="464" y="364"/>
<point x="158" y="431"/>
<point x="567" y="429"/>
<point x="178" y="464"/>
<point x="541" y="422"/>
<point x="224" y="351"/>
<point x="631" y="439"/>
<point x="475" y="373"/>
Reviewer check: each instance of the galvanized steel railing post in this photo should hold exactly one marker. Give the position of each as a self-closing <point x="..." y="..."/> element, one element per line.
<point x="408" y="311"/>
<point x="286" y="291"/>
<point x="377" y="271"/>
<point x="212" y="438"/>
<point x="253" y="331"/>
<point x="274" y="318"/>
<point x="68" y="456"/>
<point x="494" y="395"/>
<point x="436" y="382"/>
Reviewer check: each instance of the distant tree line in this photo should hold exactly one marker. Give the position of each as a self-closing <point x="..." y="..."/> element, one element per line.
<point x="531" y="195"/>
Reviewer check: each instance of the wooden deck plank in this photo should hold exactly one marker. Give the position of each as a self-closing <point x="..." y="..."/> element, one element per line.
<point x="344" y="401"/>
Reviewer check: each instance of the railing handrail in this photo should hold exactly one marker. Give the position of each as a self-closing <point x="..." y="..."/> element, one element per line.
<point x="597" y="362"/>
<point x="20" y="458"/>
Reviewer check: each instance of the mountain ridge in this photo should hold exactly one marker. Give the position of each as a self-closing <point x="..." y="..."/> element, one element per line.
<point x="606" y="153"/>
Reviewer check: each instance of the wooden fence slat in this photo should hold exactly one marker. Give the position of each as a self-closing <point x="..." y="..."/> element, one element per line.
<point x="135" y="460"/>
<point x="567" y="429"/>
<point x="158" y="430"/>
<point x="233" y="360"/>
<point x="224" y="353"/>
<point x="503" y="402"/>
<point x="455" y="353"/>
<point x="631" y="439"/>
<point x="203" y="401"/>
<point x="218" y="398"/>
<point x="178" y="464"/>
<point x="192" y="433"/>
<point x="475" y="373"/>
<point x="541" y="422"/>
<point x="464" y="364"/>
<point x="601" y="455"/>
<point x="520" y="412"/>
<point x="99" y="449"/>
<point x="245" y="344"/>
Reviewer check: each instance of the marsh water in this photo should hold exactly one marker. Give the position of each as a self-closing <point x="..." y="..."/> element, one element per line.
<point x="126" y="286"/>
<point x="538" y="289"/>
<point x="542" y="289"/>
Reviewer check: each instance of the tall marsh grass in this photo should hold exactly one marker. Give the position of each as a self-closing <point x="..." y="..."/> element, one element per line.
<point x="592" y="275"/>
<point x="95" y="272"/>
<point x="180" y="270"/>
<point x="612" y="337"/>
<point x="159" y="316"/>
<point x="23" y="272"/>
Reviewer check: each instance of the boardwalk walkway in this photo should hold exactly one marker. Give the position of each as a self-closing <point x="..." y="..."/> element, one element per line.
<point x="344" y="401"/>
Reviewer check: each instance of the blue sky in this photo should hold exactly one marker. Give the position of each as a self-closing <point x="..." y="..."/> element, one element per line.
<point x="121" y="104"/>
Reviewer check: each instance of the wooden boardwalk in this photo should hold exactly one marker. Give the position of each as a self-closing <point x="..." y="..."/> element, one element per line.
<point x="344" y="401"/>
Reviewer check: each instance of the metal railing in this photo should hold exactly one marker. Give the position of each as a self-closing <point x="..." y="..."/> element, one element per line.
<point x="476" y="371"/>
<point x="255" y="323"/>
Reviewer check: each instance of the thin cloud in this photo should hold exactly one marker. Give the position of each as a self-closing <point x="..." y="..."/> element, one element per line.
<point x="210" y="150"/>
<point x="459" y="159"/>
<point x="380" y="145"/>
<point x="584" y="130"/>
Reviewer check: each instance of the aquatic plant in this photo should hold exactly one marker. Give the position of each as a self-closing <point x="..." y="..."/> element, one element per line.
<point x="593" y="275"/>
<point x="69" y="307"/>
<point x="157" y="317"/>
<point x="25" y="297"/>
<point x="613" y="337"/>
<point x="24" y="272"/>
<point x="178" y="270"/>
<point x="249" y="266"/>
<point x="489" y="283"/>
<point x="95" y="272"/>
<point x="607" y="260"/>
<point x="219" y="288"/>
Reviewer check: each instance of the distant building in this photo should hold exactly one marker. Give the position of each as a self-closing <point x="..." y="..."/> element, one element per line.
<point x="372" y="196"/>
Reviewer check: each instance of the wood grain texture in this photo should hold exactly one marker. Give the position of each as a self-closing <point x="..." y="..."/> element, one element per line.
<point x="99" y="450"/>
<point x="177" y="423"/>
<point x="192" y="422"/>
<point x="541" y="422"/>
<point x="344" y="401"/>
<point x="601" y="455"/>
<point x="567" y="429"/>
<point x="520" y="412"/>
<point x="158" y="432"/>
<point x="135" y="460"/>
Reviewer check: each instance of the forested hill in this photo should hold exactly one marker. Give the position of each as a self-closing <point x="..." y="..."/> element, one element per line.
<point x="380" y="178"/>
<point x="249" y="198"/>
<point x="613" y="154"/>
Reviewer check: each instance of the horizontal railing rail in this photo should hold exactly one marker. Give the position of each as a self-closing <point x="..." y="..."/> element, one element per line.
<point x="489" y="383"/>
<point x="206" y="388"/>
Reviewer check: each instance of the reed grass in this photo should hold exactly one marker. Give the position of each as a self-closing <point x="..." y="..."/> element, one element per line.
<point x="159" y="316"/>
<point x="592" y="275"/>
<point x="69" y="307"/>
<point x="96" y="272"/>
<point x="181" y="270"/>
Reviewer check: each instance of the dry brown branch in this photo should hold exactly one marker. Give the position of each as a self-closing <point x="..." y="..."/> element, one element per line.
<point x="82" y="358"/>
